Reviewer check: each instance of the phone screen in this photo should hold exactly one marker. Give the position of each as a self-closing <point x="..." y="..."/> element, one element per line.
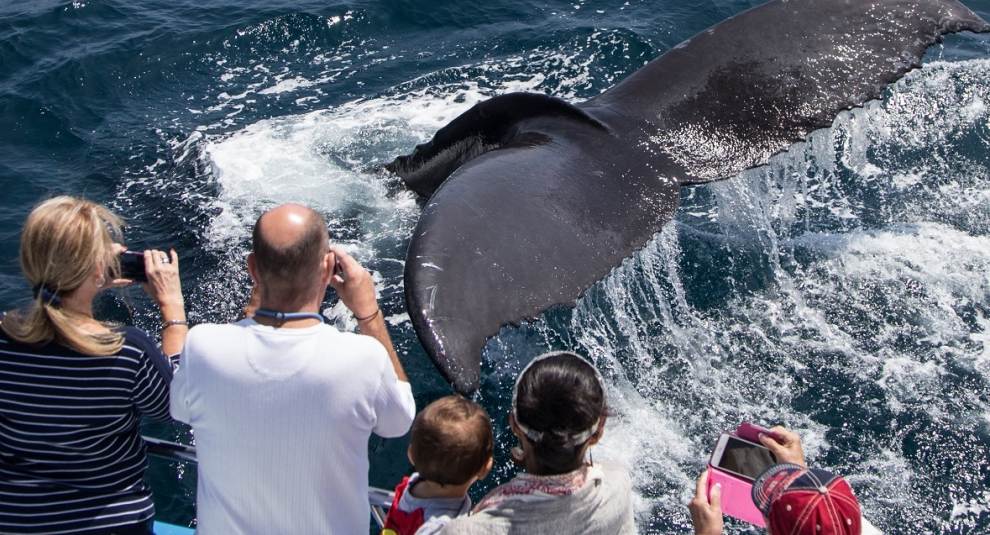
<point x="132" y="266"/>
<point x="745" y="458"/>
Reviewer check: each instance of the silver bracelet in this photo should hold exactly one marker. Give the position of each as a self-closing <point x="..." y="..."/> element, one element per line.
<point x="168" y="323"/>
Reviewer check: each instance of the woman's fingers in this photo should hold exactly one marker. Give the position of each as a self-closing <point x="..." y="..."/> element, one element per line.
<point x="150" y="264"/>
<point x="162" y="270"/>
<point x="118" y="249"/>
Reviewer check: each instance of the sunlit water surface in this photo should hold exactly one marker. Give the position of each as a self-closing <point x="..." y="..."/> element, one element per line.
<point x="843" y="290"/>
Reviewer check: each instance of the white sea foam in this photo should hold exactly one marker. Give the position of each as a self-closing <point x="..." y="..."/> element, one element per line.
<point x="973" y="507"/>
<point x="286" y="86"/>
<point x="317" y="158"/>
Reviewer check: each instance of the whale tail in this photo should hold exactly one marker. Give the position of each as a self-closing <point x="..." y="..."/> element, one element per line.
<point x="532" y="200"/>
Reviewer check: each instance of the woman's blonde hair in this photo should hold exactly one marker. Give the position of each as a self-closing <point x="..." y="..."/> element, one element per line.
<point x="64" y="240"/>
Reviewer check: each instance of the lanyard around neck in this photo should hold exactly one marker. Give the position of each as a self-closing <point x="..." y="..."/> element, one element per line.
<point x="283" y="317"/>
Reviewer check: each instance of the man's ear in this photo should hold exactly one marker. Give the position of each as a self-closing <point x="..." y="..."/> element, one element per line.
<point x="409" y="456"/>
<point x="326" y="268"/>
<point x="252" y="266"/>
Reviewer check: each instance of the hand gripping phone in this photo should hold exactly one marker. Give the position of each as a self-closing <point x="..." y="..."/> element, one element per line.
<point x="132" y="266"/>
<point x="751" y="432"/>
<point x="735" y="464"/>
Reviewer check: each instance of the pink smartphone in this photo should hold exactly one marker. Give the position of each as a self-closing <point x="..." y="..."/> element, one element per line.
<point x="751" y="432"/>
<point x="735" y="464"/>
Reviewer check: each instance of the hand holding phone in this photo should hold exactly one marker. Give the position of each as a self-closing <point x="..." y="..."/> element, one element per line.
<point x="735" y="464"/>
<point x="706" y="513"/>
<point x="751" y="432"/>
<point x="132" y="266"/>
<point x="353" y="284"/>
<point x="785" y="445"/>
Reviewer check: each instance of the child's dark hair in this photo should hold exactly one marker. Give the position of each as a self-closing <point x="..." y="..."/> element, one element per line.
<point x="451" y="441"/>
<point x="559" y="396"/>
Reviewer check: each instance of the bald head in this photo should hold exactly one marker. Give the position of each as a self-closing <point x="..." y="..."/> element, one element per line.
<point x="290" y="243"/>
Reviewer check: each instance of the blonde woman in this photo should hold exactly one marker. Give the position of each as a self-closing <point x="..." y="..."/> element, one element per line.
<point x="72" y="388"/>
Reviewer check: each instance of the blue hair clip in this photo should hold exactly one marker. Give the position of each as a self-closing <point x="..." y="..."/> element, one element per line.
<point x="46" y="295"/>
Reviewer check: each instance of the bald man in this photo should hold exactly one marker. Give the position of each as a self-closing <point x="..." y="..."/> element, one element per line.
<point x="281" y="404"/>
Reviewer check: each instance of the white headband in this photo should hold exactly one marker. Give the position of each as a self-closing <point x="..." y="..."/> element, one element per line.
<point x="571" y="440"/>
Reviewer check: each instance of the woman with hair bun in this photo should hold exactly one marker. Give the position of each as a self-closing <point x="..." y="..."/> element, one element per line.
<point x="73" y="388"/>
<point x="558" y="413"/>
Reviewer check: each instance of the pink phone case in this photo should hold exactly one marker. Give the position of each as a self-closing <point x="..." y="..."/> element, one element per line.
<point x="737" y="496"/>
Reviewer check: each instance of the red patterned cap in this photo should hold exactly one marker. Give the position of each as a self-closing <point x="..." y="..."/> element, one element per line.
<point x="798" y="501"/>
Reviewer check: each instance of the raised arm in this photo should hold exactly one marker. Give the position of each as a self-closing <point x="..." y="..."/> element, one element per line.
<point x="357" y="291"/>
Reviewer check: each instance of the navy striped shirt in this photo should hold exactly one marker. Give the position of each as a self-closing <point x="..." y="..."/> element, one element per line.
<point x="71" y="457"/>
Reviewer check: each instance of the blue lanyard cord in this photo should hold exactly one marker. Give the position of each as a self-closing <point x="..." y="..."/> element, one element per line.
<point x="283" y="317"/>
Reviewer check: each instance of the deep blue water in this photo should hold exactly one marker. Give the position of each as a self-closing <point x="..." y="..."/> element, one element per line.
<point x="843" y="290"/>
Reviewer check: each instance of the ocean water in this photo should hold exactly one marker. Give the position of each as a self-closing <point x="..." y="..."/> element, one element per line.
<point x="843" y="290"/>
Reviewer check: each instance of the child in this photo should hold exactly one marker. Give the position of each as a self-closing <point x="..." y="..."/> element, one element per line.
<point x="451" y="448"/>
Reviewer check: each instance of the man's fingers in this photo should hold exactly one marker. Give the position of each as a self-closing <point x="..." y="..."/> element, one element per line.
<point x="716" y="497"/>
<point x="783" y="435"/>
<point x="347" y="263"/>
<point x="175" y="258"/>
<point x="768" y="441"/>
<point x="341" y="255"/>
<point x="702" y="486"/>
<point x="775" y="447"/>
<point x="350" y="269"/>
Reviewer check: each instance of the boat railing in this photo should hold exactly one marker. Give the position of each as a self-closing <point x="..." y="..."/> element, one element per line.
<point x="379" y="499"/>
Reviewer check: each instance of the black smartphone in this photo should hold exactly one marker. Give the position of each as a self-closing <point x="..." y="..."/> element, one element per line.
<point x="132" y="266"/>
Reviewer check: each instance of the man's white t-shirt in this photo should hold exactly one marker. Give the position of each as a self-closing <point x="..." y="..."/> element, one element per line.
<point x="281" y="419"/>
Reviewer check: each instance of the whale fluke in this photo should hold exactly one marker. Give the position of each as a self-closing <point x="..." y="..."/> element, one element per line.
<point x="532" y="199"/>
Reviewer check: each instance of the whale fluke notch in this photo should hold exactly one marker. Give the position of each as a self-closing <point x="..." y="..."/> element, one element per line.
<point x="487" y="126"/>
<point x="533" y="200"/>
